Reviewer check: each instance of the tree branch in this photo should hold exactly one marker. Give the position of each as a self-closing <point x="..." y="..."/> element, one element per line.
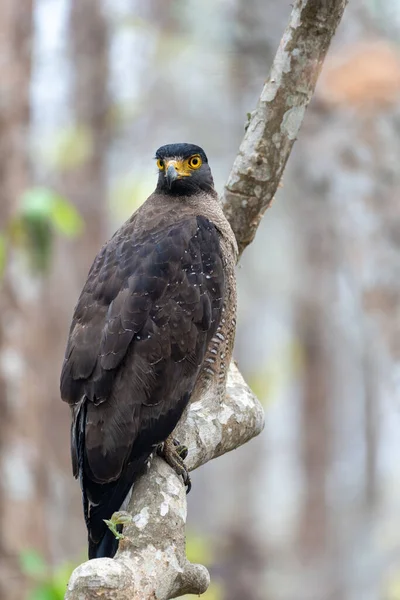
<point x="151" y="562"/>
<point x="274" y="125"/>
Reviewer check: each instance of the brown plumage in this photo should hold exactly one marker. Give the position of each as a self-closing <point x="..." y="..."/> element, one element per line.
<point x="154" y="325"/>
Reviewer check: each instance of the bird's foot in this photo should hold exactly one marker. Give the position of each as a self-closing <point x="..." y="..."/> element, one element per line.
<point x="174" y="454"/>
<point x="180" y="449"/>
<point x="116" y="522"/>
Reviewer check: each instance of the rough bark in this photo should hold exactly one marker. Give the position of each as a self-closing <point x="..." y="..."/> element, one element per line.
<point x="274" y="125"/>
<point x="154" y="564"/>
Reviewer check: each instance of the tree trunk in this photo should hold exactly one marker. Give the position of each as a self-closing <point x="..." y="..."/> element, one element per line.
<point x="85" y="185"/>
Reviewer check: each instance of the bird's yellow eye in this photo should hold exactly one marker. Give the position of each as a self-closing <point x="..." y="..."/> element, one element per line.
<point x="160" y="164"/>
<point x="194" y="162"/>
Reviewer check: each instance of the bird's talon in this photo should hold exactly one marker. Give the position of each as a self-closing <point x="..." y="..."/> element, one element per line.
<point x="174" y="454"/>
<point x="160" y="449"/>
<point x="187" y="481"/>
<point x="182" y="451"/>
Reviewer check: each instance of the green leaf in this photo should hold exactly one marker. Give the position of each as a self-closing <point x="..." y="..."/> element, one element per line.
<point x="65" y="218"/>
<point x="32" y="563"/>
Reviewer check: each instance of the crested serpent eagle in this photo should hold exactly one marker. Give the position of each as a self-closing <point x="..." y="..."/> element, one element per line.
<point x="152" y="329"/>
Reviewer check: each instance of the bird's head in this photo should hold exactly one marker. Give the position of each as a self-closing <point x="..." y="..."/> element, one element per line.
<point x="183" y="170"/>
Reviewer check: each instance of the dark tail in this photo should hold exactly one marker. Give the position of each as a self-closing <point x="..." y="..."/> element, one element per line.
<point x="107" y="547"/>
<point x="107" y="499"/>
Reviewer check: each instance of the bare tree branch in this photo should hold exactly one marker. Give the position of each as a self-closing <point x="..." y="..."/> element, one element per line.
<point x="151" y="562"/>
<point x="274" y="125"/>
<point x="154" y="564"/>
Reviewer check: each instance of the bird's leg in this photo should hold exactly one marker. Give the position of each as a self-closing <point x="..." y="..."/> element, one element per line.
<point x="174" y="454"/>
<point x="180" y="449"/>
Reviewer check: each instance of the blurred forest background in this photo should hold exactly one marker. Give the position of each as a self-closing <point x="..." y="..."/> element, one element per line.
<point x="89" y="89"/>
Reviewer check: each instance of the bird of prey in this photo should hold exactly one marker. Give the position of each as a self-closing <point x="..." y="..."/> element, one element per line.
<point x="153" y="328"/>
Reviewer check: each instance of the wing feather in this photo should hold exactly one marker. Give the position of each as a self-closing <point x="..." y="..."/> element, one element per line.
<point x="139" y="335"/>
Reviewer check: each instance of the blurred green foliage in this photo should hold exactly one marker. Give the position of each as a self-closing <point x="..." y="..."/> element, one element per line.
<point x="70" y="148"/>
<point x="3" y="253"/>
<point x="50" y="583"/>
<point x="47" y="583"/>
<point x="282" y="367"/>
<point x="42" y="214"/>
<point x="392" y="587"/>
<point x="199" y="549"/>
<point x="130" y="191"/>
<point x="214" y="592"/>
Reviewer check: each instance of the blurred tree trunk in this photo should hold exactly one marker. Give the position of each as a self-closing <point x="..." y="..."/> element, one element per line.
<point x="348" y="219"/>
<point x="314" y="539"/>
<point x="317" y="321"/>
<point x="85" y="185"/>
<point x="39" y="500"/>
<point x="331" y="364"/>
<point x="314" y="434"/>
<point x="17" y="528"/>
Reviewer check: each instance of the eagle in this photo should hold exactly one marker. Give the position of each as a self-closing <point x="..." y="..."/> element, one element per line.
<point x="152" y="330"/>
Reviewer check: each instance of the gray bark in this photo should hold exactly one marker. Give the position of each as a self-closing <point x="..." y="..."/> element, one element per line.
<point x="274" y="125"/>
<point x="151" y="561"/>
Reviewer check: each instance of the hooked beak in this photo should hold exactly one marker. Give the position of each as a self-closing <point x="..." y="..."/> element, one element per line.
<point x="171" y="174"/>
